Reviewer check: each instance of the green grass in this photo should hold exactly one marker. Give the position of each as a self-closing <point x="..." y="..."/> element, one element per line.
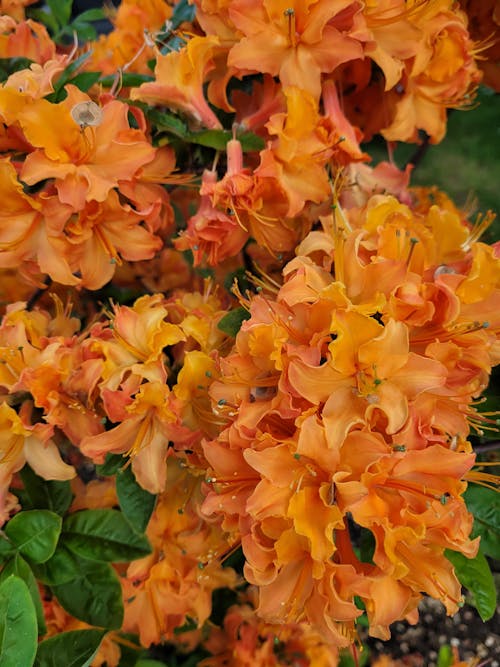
<point x="467" y="162"/>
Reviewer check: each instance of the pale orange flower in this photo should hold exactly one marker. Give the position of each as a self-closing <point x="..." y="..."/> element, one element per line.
<point x="179" y="79"/>
<point x="86" y="159"/>
<point x="298" y="40"/>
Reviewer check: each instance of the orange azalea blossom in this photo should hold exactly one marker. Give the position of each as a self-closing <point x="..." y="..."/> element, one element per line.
<point x="100" y="236"/>
<point x="51" y="367"/>
<point x="126" y="46"/>
<point x="484" y="27"/>
<point x="129" y="371"/>
<point x="213" y="17"/>
<point x="26" y="39"/>
<point x="37" y="81"/>
<point x="256" y="204"/>
<point x="246" y="640"/>
<point x="179" y="79"/>
<point x="141" y="403"/>
<point x="176" y="581"/>
<point x="301" y="147"/>
<point x="15" y="8"/>
<point x="394" y="37"/>
<point x="443" y="74"/>
<point x="342" y="392"/>
<point x="23" y="442"/>
<point x="212" y="235"/>
<point x="86" y="157"/>
<point x="298" y="40"/>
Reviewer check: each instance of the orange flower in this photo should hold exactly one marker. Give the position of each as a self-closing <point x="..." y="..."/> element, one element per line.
<point x="299" y="149"/>
<point x="126" y="45"/>
<point x="23" y="442"/>
<point x="298" y="40"/>
<point x="176" y="581"/>
<point x="27" y="39"/>
<point x="442" y="75"/>
<point x="179" y="79"/>
<point x="211" y="233"/>
<point x="87" y="157"/>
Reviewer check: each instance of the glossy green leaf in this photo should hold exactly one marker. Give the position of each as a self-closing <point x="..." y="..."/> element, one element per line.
<point x="136" y="503"/>
<point x="218" y="139"/>
<point x="61" y="10"/>
<point x="112" y="464"/>
<point x="167" y="122"/>
<point x="104" y="535"/>
<point x="475" y="575"/>
<point x="91" y="15"/>
<point x="20" y="568"/>
<point x="47" y="18"/>
<point x="76" y="648"/>
<point x="63" y="566"/>
<point x="85" y="80"/>
<point x="127" y="79"/>
<point x="231" y="323"/>
<point x="147" y="662"/>
<point x="35" y="533"/>
<point x="94" y="596"/>
<point x="7" y="549"/>
<point x="18" y="628"/>
<point x="44" y="494"/>
<point x="484" y="504"/>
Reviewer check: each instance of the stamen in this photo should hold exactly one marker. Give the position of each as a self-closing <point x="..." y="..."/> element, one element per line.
<point x="290" y="15"/>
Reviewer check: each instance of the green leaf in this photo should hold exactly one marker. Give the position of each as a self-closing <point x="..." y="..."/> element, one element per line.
<point x="137" y="504"/>
<point x="85" y="80"/>
<point x="231" y="323"/>
<point x="40" y="494"/>
<point x="76" y="648"/>
<point x="127" y="80"/>
<point x="475" y="575"/>
<point x="85" y="31"/>
<point x="218" y="139"/>
<point x="35" y="533"/>
<point x="251" y="142"/>
<point x="7" y="549"/>
<point x="111" y="465"/>
<point x="18" y="629"/>
<point x="94" y="596"/>
<point x="104" y="535"/>
<point x="167" y="122"/>
<point x="44" y="17"/>
<point x="61" y="568"/>
<point x="147" y="662"/>
<point x="91" y="15"/>
<point x="10" y="65"/>
<point x="19" y="567"/>
<point x="484" y="504"/>
<point x="61" y="10"/>
<point x="445" y="656"/>
<point x="347" y="659"/>
<point x="66" y="76"/>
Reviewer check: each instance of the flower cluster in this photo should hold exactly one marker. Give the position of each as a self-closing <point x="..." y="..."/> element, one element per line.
<point x="344" y="390"/>
<point x="220" y="319"/>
